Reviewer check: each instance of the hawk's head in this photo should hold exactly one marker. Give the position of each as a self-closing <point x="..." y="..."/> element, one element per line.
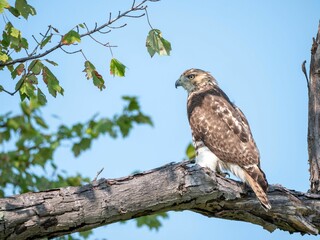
<point x="194" y="79"/>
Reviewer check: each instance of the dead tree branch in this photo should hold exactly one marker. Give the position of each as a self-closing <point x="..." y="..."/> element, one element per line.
<point x="174" y="187"/>
<point x="314" y="115"/>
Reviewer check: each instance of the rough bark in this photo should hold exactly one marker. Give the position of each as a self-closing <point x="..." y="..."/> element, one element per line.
<point x="174" y="187"/>
<point x="314" y="116"/>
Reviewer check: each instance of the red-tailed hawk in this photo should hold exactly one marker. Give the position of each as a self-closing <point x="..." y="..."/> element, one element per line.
<point x="221" y="133"/>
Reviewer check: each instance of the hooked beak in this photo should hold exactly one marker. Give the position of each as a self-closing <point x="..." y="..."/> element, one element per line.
<point x="178" y="83"/>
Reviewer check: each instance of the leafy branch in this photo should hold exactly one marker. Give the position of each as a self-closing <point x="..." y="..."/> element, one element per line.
<point x="14" y="42"/>
<point x="27" y="74"/>
<point x="34" y="145"/>
<point x="32" y="56"/>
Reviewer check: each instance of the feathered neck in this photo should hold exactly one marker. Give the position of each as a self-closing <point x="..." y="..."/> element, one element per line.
<point x="203" y="86"/>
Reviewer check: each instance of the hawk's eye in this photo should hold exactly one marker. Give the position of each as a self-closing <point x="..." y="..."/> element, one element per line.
<point x="191" y="76"/>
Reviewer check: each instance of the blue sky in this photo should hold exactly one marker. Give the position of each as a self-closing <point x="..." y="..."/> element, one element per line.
<point x="253" y="48"/>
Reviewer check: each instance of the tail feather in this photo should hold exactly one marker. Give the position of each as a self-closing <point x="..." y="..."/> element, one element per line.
<point x="257" y="181"/>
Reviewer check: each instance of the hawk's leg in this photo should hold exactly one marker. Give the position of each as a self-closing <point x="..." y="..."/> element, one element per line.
<point x="209" y="171"/>
<point x="223" y="174"/>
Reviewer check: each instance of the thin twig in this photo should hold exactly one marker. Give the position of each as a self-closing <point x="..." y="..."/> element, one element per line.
<point x="26" y="50"/>
<point x="134" y="1"/>
<point x="34" y="38"/>
<point x="98" y="173"/>
<point x="94" y="39"/>
<point x="10" y="93"/>
<point x="13" y="93"/>
<point x="104" y="32"/>
<point x="112" y="27"/>
<point x="77" y="51"/>
<point x="97" y="41"/>
<point x="135" y="16"/>
<point x="12" y="51"/>
<point x="148" y="18"/>
<point x="83" y="55"/>
<point x="109" y="18"/>
<point x="39" y="44"/>
<point x="67" y="52"/>
<point x="110" y="51"/>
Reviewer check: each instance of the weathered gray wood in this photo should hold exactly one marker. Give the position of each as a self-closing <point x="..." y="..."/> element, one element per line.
<point x="175" y="187"/>
<point x="314" y="116"/>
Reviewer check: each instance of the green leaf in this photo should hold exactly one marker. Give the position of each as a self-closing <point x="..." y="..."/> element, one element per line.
<point x="27" y="90"/>
<point x="52" y="62"/>
<point x="151" y="221"/>
<point x="155" y="43"/>
<point x="5" y="39"/>
<point x="3" y="57"/>
<point x="102" y="126"/>
<point x="88" y="69"/>
<point x="24" y="43"/>
<point x="83" y="145"/>
<point x="32" y="79"/>
<point x="151" y="51"/>
<point x="13" y="37"/>
<point x="14" y="32"/>
<point x="41" y="97"/>
<point x="10" y="67"/>
<point x="77" y="128"/>
<point x="27" y="110"/>
<point x="91" y="73"/>
<point x="133" y="103"/>
<point x="20" y="83"/>
<point x="190" y="151"/>
<point x="14" y="11"/>
<point x="45" y="41"/>
<point x="71" y="37"/>
<point x="98" y="80"/>
<point x="1" y="88"/>
<point x="85" y="234"/>
<point x="15" y="122"/>
<point x="5" y="135"/>
<point x="3" y="4"/>
<point x="52" y="82"/>
<point x="64" y="132"/>
<point x="35" y="66"/>
<point x="17" y="71"/>
<point x="141" y="118"/>
<point x="24" y="8"/>
<point x="125" y="124"/>
<point x="117" y="68"/>
<point x="40" y="122"/>
<point x="81" y="25"/>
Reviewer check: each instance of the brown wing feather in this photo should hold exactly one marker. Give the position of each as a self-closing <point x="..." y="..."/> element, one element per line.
<point x="216" y="122"/>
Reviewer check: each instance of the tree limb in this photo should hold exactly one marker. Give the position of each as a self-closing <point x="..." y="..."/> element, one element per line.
<point x="33" y="56"/>
<point x="173" y="187"/>
<point x="314" y="115"/>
